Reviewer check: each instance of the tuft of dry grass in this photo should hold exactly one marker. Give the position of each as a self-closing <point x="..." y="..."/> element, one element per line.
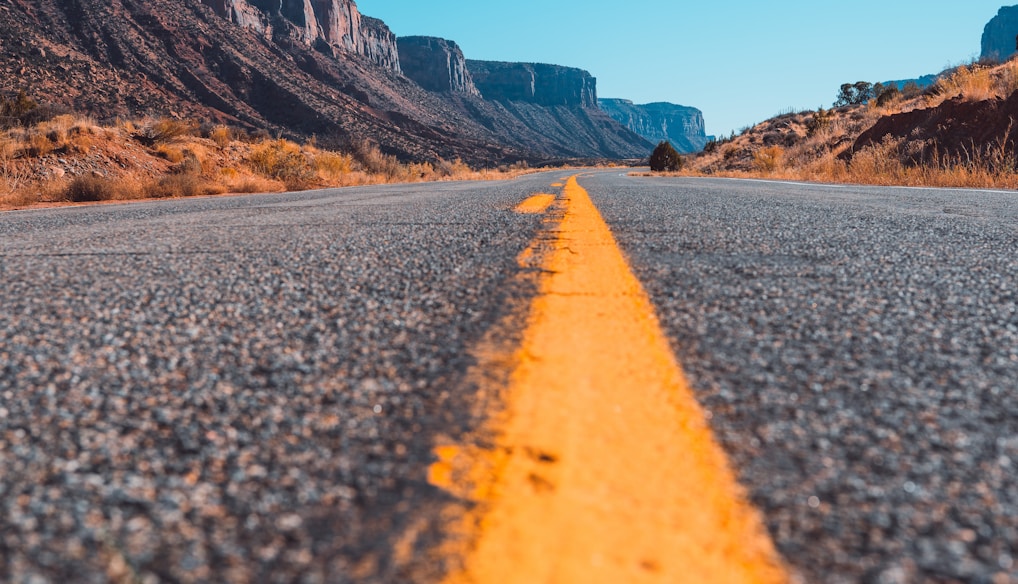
<point x="769" y="159"/>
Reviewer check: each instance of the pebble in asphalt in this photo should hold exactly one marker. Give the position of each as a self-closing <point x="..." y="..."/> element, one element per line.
<point x="857" y="349"/>
<point x="243" y="389"/>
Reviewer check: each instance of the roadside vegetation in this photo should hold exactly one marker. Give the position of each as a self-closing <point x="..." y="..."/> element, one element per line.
<point x="823" y="145"/>
<point x="49" y="156"/>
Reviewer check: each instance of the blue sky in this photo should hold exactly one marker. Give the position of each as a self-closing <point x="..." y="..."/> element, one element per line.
<point x="738" y="61"/>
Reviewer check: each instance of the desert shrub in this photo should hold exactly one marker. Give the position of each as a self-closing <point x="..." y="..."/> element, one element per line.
<point x="332" y="165"/>
<point x="190" y="163"/>
<point x="377" y="162"/>
<point x="769" y="159"/>
<point x="221" y="135"/>
<point x="665" y="158"/>
<point x="39" y="144"/>
<point x="182" y="185"/>
<point x="90" y="188"/>
<point x="887" y="95"/>
<point x="163" y="130"/>
<point x="282" y="160"/>
<point x="170" y="153"/>
<point x="819" y="122"/>
<point x="971" y="82"/>
<point x="451" y="169"/>
<point x="878" y="162"/>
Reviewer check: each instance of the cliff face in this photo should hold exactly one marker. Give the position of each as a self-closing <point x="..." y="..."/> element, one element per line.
<point x="435" y="64"/>
<point x="547" y="85"/>
<point x="999" y="36"/>
<point x="334" y="24"/>
<point x="682" y="126"/>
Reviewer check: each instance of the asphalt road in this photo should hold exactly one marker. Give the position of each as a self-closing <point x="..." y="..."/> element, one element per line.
<point x="858" y="349"/>
<point x="243" y="388"/>
<point x="249" y="388"/>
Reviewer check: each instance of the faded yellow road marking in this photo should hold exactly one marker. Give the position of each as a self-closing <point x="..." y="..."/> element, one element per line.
<point x="604" y="469"/>
<point x="535" y="204"/>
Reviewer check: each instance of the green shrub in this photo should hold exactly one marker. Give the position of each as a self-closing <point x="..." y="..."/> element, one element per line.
<point x="665" y="158"/>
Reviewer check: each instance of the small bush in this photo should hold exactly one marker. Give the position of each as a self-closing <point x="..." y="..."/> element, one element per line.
<point x="375" y="161"/>
<point x="819" y="122"/>
<point x="39" y="145"/>
<point x="164" y="130"/>
<point x="332" y="165"/>
<point x="769" y="159"/>
<point x="182" y="185"/>
<point x="174" y="155"/>
<point x="665" y="158"/>
<point x="455" y="168"/>
<point x="282" y="160"/>
<point x="86" y="189"/>
<point x="221" y="135"/>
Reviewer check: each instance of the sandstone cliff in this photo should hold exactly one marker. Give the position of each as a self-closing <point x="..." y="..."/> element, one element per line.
<point x="682" y="126"/>
<point x="435" y="64"/>
<point x="334" y="25"/>
<point x="548" y="85"/>
<point x="1000" y="36"/>
<point x="244" y="63"/>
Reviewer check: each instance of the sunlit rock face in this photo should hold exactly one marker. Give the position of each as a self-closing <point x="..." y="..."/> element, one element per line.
<point x="681" y="125"/>
<point x="548" y="85"/>
<point x="435" y="64"/>
<point x="335" y="25"/>
<point x="1000" y="37"/>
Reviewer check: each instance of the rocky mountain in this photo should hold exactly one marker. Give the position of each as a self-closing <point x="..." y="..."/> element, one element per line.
<point x="436" y="65"/>
<point x="1000" y="37"/>
<point x="681" y="125"/>
<point x="298" y="68"/>
<point x="536" y="83"/>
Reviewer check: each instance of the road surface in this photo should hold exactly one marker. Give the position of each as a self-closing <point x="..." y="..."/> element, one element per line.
<point x="262" y="388"/>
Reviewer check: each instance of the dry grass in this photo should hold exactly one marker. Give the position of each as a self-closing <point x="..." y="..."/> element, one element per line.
<point x="812" y="142"/>
<point x="162" y="158"/>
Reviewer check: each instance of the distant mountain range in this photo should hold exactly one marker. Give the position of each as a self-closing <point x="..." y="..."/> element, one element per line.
<point x="303" y="68"/>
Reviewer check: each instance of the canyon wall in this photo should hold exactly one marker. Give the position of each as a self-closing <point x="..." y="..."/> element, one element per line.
<point x="681" y="125"/>
<point x="547" y="85"/>
<point x="1000" y="37"/>
<point x="435" y="64"/>
<point x="336" y="25"/>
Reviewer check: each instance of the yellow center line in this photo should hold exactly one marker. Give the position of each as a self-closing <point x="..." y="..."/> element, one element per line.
<point x="535" y="204"/>
<point x="604" y="469"/>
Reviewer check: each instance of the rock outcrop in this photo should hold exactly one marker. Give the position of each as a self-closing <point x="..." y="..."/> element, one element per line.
<point x="681" y="125"/>
<point x="547" y="85"/>
<point x="435" y="64"/>
<point x="1000" y="37"/>
<point x="334" y="25"/>
<point x="954" y="130"/>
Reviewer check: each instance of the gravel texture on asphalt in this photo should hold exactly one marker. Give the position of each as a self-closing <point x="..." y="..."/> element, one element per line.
<point x="243" y="388"/>
<point x="857" y="349"/>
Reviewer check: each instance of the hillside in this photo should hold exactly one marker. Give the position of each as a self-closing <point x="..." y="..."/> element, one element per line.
<point x="960" y="131"/>
<point x="299" y="69"/>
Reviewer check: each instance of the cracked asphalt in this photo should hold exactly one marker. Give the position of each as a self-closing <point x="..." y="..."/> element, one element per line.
<point x="250" y="388"/>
